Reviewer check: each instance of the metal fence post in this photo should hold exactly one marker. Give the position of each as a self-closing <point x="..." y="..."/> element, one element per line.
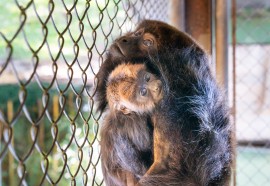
<point x="198" y="24"/>
<point x="177" y="14"/>
<point x="221" y="37"/>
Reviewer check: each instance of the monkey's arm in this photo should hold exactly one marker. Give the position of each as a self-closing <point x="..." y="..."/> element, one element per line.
<point x="167" y="154"/>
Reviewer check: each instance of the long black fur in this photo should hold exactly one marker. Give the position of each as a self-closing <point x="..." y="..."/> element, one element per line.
<point x="126" y="147"/>
<point x="193" y="120"/>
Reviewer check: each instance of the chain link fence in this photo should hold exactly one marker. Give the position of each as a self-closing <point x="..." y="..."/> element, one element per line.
<point x="253" y="92"/>
<point x="50" y="52"/>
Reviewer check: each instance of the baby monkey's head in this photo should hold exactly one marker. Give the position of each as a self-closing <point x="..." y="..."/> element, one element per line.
<point x="131" y="88"/>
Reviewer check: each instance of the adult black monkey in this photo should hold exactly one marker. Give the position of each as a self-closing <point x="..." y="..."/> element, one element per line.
<point x="198" y="150"/>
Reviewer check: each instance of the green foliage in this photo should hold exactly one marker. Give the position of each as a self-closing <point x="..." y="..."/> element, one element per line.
<point x="11" y="92"/>
<point x="22" y="140"/>
<point x="36" y="29"/>
<point x="253" y="27"/>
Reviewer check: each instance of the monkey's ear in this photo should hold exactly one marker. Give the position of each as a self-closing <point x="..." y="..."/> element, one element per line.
<point x="124" y="110"/>
<point x="139" y="32"/>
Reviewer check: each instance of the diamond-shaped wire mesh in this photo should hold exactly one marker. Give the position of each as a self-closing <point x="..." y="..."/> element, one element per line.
<point x="253" y="92"/>
<point x="50" y="52"/>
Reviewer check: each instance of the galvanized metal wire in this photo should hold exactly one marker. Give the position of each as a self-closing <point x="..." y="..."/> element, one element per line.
<point x="50" y="52"/>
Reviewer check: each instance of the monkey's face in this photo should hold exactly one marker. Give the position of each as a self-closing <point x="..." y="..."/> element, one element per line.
<point x="131" y="88"/>
<point x="134" y="45"/>
<point x="145" y="94"/>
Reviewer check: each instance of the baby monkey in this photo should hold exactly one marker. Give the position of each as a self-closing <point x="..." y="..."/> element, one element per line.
<point x="127" y="132"/>
<point x="131" y="88"/>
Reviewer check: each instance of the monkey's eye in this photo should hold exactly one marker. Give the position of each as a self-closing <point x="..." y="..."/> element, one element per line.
<point x="148" y="42"/>
<point x="143" y="92"/>
<point x="147" y="77"/>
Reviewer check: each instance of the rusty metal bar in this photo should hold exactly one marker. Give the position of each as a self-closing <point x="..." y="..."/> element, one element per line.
<point x="177" y="14"/>
<point x="222" y="43"/>
<point x="198" y="21"/>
